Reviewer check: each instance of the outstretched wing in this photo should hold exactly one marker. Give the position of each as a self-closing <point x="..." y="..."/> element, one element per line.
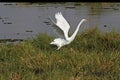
<point x="57" y="30"/>
<point x="62" y="24"/>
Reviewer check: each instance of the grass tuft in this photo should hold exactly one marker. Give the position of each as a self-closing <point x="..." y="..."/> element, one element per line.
<point x="91" y="56"/>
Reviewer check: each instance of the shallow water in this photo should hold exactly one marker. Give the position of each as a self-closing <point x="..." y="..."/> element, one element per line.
<point x="24" y="20"/>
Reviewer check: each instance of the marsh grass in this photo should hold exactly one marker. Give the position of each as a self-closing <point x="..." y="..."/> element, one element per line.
<point x="91" y="56"/>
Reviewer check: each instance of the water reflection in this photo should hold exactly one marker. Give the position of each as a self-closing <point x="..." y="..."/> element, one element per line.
<point x="95" y="8"/>
<point x="23" y="20"/>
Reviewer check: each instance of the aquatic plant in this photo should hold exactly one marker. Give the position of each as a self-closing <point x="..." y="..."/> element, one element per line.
<point x="92" y="56"/>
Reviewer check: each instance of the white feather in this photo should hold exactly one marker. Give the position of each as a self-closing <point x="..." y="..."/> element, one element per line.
<point x="63" y="25"/>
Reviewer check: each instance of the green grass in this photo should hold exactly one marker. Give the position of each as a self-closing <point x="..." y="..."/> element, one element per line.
<point x="91" y="56"/>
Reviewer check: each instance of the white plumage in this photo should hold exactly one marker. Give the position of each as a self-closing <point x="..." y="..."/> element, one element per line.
<point x="62" y="24"/>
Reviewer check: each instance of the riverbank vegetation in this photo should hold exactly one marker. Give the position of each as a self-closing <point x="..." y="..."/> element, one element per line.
<point x="91" y="56"/>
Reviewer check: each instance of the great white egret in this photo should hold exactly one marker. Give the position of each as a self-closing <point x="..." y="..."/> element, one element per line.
<point x="62" y="25"/>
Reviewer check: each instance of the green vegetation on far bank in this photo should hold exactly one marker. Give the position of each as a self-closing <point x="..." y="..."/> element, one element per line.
<point x="91" y="56"/>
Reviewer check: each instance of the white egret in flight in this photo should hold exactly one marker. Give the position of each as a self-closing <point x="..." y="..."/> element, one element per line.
<point x="63" y="26"/>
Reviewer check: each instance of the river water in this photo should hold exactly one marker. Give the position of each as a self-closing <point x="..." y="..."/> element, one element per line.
<point x="24" y="20"/>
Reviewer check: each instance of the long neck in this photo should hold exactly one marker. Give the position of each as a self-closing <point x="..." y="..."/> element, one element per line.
<point x="76" y="31"/>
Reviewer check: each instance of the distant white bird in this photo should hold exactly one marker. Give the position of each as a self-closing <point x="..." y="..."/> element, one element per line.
<point x="63" y="26"/>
